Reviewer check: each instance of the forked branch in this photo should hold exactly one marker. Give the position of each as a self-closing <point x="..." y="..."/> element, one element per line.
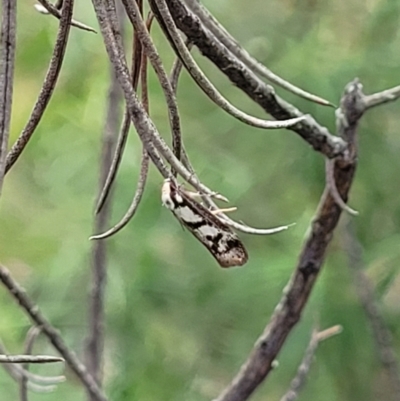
<point x="288" y="311"/>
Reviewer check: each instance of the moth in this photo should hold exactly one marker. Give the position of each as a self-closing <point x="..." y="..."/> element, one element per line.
<point x="220" y="240"/>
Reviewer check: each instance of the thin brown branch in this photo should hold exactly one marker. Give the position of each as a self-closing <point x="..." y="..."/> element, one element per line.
<point x="46" y="7"/>
<point x="134" y="204"/>
<point x="51" y="333"/>
<point x="289" y="309"/>
<point x="7" y="61"/>
<point x="37" y="383"/>
<point x="302" y="372"/>
<point x="151" y="52"/>
<point x="161" y="11"/>
<point x="381" y="333"/>
<point x="330" y="180"/>
<point x="145" y="128"/>
<point x="245" y="79"/>
<point x="376" y="99"/>
<point x="123" y="135"/>
<point x="30" y="359"/>
<point x="94" y="344"/>
<point x="29" y="342"/>
<point x="48" y="85"/>
<point x="211" y="23"/>
<point x="177" y="69"/>
<point x="144" y="166"/>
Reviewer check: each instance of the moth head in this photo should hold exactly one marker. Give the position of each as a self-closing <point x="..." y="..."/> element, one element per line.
<point x="166" y="195"/>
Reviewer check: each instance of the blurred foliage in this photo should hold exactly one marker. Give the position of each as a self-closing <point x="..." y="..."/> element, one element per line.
<point x="179" y="327"/>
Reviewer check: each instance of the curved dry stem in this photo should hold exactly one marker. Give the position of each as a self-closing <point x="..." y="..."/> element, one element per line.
<point x="47" y="8"/>
<point x="17" y="372"/>
<point x="47" y="380"/>
<point x="174" y="75"/>
<point x="376" y="99"/>
<point x="47" y="88"/>
<point x="295" y="296"/>
<point x="95" y="338"/>
<point x="302" y="372"/>
<point x="135" y="201"/>
<point x="381" y="333"/>
<point x="35" y="314"/>
<point x="330" y="179"/>
<point x="156" y="62"/>
<point x="246" y="80"/>
<point x="123" y="135"/>
<point x="144" y="169"/>
<point x="115" y="163"/>
<point x="30" y="359"/>
<point x="166" y="22"/>
<point x="219" y="31"/>
<point x="145" y="128"/>
<point x="7" y="61"/>
<point x="244" y="228"/>
<point x="177" y="69"/>
<point x="29" y="343"/>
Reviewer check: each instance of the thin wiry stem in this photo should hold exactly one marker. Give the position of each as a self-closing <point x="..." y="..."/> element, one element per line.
<point x="7" y="61"/>
<point x="381" y="333"/>
<point x="156" y="62"/>
<point x="174" y="75"/>
<point x="177" y="69"/>
<point x="302" y="372"/>
<point x="135" y="201"/>
<point x="166" y="22"/>
<point x="288" y="311"/>
<point x="144" y="169"/>
<point x="115" y="163"/>
<point x="330" y="179"/>
<point x="48" y="85"/>
<point x="246" y="80"/>
<point x="244" y="228"/>
<point x="29" y="342"/>
<point x="16" y="371"/>
<point x="123" y="135"/>
<point x="46" y="7"/>
<point x="379" y="98"/>
<point x="35" y="314"/>
<point x="94" y="344"/>
<point x="144" y="126"/>
<point x="30" y="359"/>
<point x="211" y="23"/>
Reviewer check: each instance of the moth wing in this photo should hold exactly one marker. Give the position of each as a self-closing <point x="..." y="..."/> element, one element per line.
<point x="216" y="236"/>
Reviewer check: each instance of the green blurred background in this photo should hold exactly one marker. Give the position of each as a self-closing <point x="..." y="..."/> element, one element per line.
<point x="178" y="326"/>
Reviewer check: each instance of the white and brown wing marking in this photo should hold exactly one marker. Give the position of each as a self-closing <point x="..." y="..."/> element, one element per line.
<point x="215" y="235"/>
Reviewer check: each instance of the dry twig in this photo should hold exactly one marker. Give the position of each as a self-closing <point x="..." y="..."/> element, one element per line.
<point x="51" y="333"/>
<point x="7" y="60"/>
<point x="47" y="8"/>
<point x="48" y="85"/>
<point x="94" y="344"/>
<point x="365" y="291"/>
<point x="302" y="372"/>
<point x="245" y="79"/>
<point x="160" y="10"/>
<point x="37" y="383"/>
<point x="288" y="311"/>
<point x="218" y="30"/>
